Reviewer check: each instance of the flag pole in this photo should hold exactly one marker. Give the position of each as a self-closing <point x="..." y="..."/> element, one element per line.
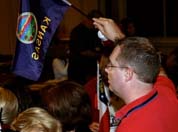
<point x="76" y="8"/>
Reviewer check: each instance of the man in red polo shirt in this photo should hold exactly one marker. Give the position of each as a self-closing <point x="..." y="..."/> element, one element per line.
<point x="133" y="69"/>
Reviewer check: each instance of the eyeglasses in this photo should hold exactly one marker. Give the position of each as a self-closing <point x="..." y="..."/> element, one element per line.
<point x="109" y="65"/>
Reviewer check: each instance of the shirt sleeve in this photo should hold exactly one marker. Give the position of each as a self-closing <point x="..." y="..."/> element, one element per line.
<point x="164" y="82"/>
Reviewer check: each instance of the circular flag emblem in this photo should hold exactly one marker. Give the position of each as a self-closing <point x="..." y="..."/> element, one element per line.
<point x="26" y="28"/>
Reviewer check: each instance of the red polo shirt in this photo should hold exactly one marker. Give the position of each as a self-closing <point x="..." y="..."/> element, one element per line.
<point x="155" y="112"/>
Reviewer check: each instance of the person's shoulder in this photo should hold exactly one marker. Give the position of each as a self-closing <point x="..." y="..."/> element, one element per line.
<point x="164" y="81"/>
<point x="90" y="86"/>
<point x="91" y="82"/>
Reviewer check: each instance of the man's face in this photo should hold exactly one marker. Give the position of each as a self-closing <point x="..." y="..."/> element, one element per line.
<point x="115" y="72"/>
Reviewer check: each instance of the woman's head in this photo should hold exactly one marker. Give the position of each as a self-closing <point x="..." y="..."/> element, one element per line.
<point x="68" y="102"/>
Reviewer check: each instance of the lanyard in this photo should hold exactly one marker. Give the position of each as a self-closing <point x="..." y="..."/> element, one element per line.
<point x="119" y="120"/>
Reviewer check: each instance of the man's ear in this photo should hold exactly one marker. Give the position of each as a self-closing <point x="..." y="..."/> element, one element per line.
<point x="128" y="74"/>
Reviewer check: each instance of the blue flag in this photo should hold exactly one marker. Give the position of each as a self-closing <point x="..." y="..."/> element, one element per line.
<point x="36" y="25"/>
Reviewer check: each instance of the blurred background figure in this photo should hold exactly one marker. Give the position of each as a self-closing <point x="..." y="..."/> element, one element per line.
<point x="171" y="66"/>
<point x="8" y="108"/>
<point x="85" y="47"/>
<point x="35" y="119"/>
<point x="129" y="27"/>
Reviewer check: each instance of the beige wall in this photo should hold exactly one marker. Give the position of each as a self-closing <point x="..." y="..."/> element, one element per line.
<point x="8" y="15"/>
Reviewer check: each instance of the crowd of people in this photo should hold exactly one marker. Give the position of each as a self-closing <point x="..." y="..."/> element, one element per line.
<point x="144" y="90"/>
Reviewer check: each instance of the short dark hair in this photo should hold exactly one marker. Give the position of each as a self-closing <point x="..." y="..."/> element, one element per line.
<point x="140" y="54"/>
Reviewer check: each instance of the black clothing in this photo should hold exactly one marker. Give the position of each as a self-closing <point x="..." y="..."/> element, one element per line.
<point x="82" y="64"/>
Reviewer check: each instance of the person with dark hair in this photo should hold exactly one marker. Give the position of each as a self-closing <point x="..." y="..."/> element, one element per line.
<point x="85" y="47"/>
<point x="69" y="103"/>
<point x="135" y="75"/>
<point x="131" y="27"/>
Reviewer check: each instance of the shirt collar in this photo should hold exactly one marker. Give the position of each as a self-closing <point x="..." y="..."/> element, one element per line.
<point x="138" y="102"/>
